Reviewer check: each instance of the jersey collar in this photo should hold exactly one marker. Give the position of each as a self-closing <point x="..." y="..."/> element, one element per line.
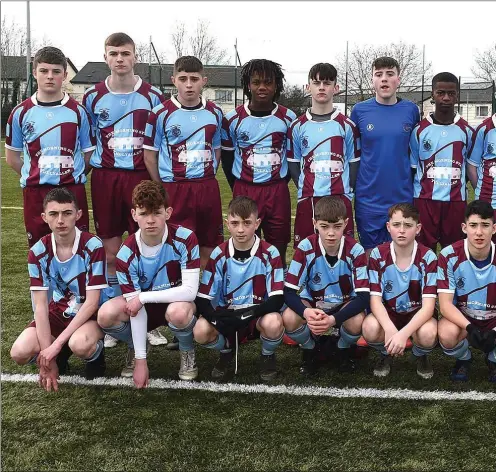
<point x="273" y="112"/>
<point x="65" y="99"/>
<point x="139" y="241"/>
<point x="467" y="254"/>
<point x="176" y="102"/>
<point x="74" y="246"/>
<point x="136" y="87"/>
<point x="332" y="117"/>
<point x="341" y="246"/>
<point x="414" y="253"/>
<point x="253" y="251"/>
<point x="431" y="121"/>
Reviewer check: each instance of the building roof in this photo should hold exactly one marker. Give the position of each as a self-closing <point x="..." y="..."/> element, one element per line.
<point x="14" y="67"/>
<point x="218" y="76"/>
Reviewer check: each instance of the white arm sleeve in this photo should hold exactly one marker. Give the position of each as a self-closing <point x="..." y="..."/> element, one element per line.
<point x="138" y="330"/>
<point x="186" y="292"/>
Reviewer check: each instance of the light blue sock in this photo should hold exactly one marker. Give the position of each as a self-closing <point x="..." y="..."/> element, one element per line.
<point x="379" y="347"/>
<point x="99" y="348"/>
<point x="346" y="339"/>
<point x="184" y="335"/>
<point x="219" y="343"/>
<point x="122" y="332"/>
<point x="460" y="352"/>
<point x="302" y="336"/>
<point x="419" y="351"/>
<point x="269" y="346"/>
<point x="492" y="356"/>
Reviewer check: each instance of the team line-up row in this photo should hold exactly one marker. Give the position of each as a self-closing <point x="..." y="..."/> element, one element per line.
<point x="244" y="293"/>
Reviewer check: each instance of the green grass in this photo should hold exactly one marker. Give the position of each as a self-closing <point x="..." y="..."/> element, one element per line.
<point x="103" y="428"/>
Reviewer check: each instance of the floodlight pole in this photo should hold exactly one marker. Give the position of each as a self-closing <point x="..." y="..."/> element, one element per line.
<point x="423" y="78"/>
<point x="28" y="52"/>
<point x="346" y="83"/>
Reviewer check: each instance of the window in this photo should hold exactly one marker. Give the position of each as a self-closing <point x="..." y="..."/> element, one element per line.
<point x="482" y="110"/>
<point x="223" y="96"/>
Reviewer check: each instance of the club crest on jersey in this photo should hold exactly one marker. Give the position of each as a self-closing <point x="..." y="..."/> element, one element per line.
<point x="104" y="114"/>
<point x="29" y="127"/>
<point x="304" y="141"/>
<point x="388" y="286"/>
<point x="176" y="130"/>
<point x="370" y="127"/>
<point x="142" y="277"/>
<point x="490" y="148"/>
<point x="243" y="136"/>
<point x="427" y="144"/>
<point x="317" y="278"/>
<point x="460" y="282"/>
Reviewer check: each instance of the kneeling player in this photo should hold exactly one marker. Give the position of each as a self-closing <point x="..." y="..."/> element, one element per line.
<point x="467" y="292"/>
<point x="331" y="270"/>
<point x="71" y="263"/>
<point x="158" y="266"/>
<point x="402" y="277"/>
<point x="241" y="292"/>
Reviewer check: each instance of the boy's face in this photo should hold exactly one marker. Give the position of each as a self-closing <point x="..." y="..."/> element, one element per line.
<point x="330" y="233"/>
<point x="242" y="230"/>
<point x="189" y="85"/>
<point x="151" y="223"/>
<point x="445" y="96"/>
<point x="479" y="232"/>
<point x="61" y="217"/>
<point x="120" y="59"/>
<point x="50" y="77"/>
<point x="262" y="88"/>
<point x="322" y="91"/>
<point x="385" y="82"/>
<point x="403" y="230"/>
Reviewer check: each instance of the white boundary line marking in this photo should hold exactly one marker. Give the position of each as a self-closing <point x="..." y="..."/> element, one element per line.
<point x="333" y="392"/>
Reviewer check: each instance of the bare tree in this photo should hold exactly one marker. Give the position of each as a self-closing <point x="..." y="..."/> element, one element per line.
<point x="360" y="59"/>
<point x="485" y="64"/>
<point x="200" y="43"/>
<point x="142" y="52"/>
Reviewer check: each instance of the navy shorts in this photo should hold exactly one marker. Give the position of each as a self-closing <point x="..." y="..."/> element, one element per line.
<point x="372" y="229"/>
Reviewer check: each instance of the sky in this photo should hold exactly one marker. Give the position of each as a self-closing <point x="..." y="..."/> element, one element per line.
<point x="294" y="33"/>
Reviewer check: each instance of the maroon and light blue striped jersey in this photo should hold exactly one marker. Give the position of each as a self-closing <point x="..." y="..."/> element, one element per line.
<point x="328" y="286"/>
<point x="70" y="279"/>
<point x="185" y="139"/>
<point x="259" y="143"/>
<point x="53" y="139"/>
<point x="402" y="290"/>
<point x="230" y="283"/>
<point x="474" y="288"/>
<point x="483" y="156"/>
<point x="439" y="154"/>
<point x="324" y="149"/>
<point x="119" y="120"/>
<point x="137" y="273"/>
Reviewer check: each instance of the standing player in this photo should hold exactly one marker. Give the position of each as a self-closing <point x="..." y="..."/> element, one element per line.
<point x="185" y="132"/>
<point x="481" y="167"/>
<point x="158" y="268"/>
<point x="53" y="130"/>
<point x="323" y="152"/>
<point x="241" y="292"/>
<point x="72" y="263"/>
<point x="439" y="145"/>
<point x="467" y="292"/>
<point x="330" y="269"/>
<point x="402" y="277"/>
<point x="384" y="177"/>
<point x="254" y="141"/>
<point x="119" y="107"/>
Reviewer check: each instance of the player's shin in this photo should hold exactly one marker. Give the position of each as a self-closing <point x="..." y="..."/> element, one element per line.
<point x="302" y="336"/>
<point x="184" y="335"/>
<point x="122" y="332"/>
<point x="269" y="346"/>
<point x="346" y="339"/>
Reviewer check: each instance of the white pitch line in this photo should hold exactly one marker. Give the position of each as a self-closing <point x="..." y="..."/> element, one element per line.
<point x="333" y="392"/>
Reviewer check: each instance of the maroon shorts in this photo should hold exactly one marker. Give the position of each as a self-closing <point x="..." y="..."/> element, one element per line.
<point x="483" y="325"/>
<point x="156" y="315"/>
<point x="111" y="192"/>
<point x="304" y="213"/>
<point x="400" y="321"/>
<point x="197" y="206"/>
<point x="33" y="197"/>
<point x="441" y="222"/>
<point x="58" y="322"/>
<point x="274" y="208"/>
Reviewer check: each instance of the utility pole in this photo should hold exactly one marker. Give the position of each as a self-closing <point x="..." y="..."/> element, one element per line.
<point x="346" y="83"/>
<point x="28" y="53"/>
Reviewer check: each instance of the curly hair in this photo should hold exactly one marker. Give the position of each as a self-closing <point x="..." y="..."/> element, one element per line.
<point x="150" y="195"/>
<point x="264" y="68"/>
